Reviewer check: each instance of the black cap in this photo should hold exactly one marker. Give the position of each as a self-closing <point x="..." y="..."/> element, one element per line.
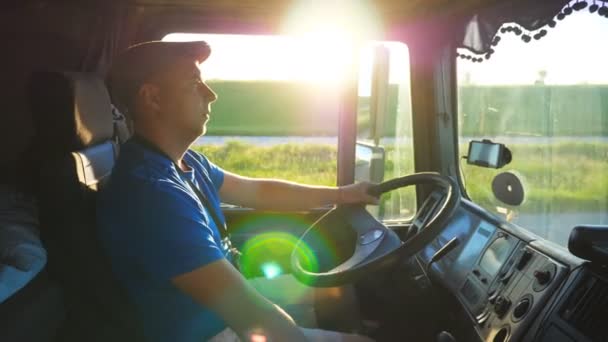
<point x="139" y="62"/>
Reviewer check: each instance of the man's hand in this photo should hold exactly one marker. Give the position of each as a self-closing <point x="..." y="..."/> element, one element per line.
<point x="356" y="193"/>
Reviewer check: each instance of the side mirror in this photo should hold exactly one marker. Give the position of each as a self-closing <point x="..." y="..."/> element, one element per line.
<point x="370" y="157"/>
<point x="369" y="163"/>
<point x="379" y="92"/>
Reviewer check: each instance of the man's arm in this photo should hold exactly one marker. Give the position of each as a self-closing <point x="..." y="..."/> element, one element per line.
<point x="220" y="287"/>
<point x="273" y="194"/>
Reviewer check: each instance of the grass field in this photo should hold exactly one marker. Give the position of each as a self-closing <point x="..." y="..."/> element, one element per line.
<point x="578" y="177"/>
<point x="311" y="164"/>
<point x="568" y="177"/>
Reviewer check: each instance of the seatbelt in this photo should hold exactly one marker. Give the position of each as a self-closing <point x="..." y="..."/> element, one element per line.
<point x="221" y="226"/>
<point x="120" y="129"/>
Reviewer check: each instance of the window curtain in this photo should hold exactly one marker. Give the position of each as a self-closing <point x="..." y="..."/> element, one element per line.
<point x="530" y="20"/>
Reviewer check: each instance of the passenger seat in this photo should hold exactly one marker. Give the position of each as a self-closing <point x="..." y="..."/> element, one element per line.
<point x="77" y="143"/>
<point x="31" y="305"/>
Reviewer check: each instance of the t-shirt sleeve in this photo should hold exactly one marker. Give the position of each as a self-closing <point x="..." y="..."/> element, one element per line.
<point x="175" y="236"/>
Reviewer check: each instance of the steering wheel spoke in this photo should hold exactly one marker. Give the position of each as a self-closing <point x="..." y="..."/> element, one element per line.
<point x="362" y="252"/>
<point x="425" y="214"/>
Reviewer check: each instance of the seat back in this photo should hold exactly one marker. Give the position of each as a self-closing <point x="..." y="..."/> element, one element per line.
<point x="31" y="305"/>
<point x="73" y="117"/>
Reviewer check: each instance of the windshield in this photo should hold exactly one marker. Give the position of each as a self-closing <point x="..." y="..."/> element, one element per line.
<point x="547" y="101"/>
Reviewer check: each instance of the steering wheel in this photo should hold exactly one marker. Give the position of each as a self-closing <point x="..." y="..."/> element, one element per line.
<point x="375" y="245"/>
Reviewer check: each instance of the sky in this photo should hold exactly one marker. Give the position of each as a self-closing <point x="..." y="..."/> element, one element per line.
<point x="327" y="55"/>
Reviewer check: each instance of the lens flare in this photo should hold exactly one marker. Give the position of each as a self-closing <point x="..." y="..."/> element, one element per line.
<point x="257" y="250"/>
<point x="271" y="270"/>
<point x="273" y="239"/>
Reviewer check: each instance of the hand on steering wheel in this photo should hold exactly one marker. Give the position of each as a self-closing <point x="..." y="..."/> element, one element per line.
<point x="375" y="244"/>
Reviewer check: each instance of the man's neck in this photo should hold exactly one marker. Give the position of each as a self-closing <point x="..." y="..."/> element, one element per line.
<point x="174" y="148"/>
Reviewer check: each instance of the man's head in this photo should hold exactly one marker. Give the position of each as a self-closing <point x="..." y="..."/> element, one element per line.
<point x="158" y="85"/>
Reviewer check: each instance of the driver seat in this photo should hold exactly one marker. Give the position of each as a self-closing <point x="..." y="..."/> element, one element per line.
<point x="76" y="151"/>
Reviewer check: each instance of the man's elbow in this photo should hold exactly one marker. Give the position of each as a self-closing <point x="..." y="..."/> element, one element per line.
<point x="271" y="322"/>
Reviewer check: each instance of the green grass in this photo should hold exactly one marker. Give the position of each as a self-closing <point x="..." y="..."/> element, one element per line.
<point x="310" y="164"/>
<point x="578" y="181"/>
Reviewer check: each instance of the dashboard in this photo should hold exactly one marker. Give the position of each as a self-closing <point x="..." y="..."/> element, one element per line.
<point x="514" y="285"/>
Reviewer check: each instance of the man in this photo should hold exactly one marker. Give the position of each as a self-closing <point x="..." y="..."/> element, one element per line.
<point x="159" y="217"/>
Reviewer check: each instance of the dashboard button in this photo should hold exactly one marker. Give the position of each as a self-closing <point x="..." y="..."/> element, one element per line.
<point x="521" y="308"/>
<point x="524" y="259"/>
<point x="492" y="297"/>
<point x="501" y="306"/>
<point x="483" y="317"/>
<point x="506" y="276"/>
<point x="542" y="277"/>
<point x="371" y="236"/>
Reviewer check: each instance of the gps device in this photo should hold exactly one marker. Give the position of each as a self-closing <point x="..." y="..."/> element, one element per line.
<point x="488" y="154"/>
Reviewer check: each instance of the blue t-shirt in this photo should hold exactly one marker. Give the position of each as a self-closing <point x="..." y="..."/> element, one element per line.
<point x="153" y="227"/>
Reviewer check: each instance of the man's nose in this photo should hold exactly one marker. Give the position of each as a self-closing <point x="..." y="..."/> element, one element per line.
<point x="208" y="93"/>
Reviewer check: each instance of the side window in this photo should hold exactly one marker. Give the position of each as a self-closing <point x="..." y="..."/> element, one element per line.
<point x="278" y="107"/>
<point x="547" y="101"/>
<point x="277" y="110"/>
<point x="384" y="126"/>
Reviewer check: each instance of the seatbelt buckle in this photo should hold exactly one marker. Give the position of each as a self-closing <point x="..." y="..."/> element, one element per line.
<point x="235" y="254"/>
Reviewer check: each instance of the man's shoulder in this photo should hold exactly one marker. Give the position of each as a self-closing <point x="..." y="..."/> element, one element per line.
<point x="204" y="165"/>
<point x="143" y="195"/>
<point x="143" y="181"/>
<point x="199" y="162"/>
<point x="138" y="165"/>
<point x="140" y="177"/>
<point x="198" y="157"/>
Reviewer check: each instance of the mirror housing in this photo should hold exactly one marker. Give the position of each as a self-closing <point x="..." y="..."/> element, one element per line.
<point x="379" y="93"/>
<point x="369" y="163"/>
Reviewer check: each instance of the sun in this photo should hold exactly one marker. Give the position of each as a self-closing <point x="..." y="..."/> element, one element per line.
<point x="328" y="55"/>
<point x="332" y="32"/>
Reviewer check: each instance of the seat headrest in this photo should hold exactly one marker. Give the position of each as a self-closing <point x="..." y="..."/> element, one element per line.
<point x="71" y="111"/>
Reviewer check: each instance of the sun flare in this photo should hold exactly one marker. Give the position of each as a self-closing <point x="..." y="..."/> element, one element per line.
<point x="318" y="44"/>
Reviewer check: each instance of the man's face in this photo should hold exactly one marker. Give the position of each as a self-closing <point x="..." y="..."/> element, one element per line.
<point x="185" y="100"/>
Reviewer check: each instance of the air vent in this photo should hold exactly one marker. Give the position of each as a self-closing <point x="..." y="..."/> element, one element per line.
<point x="587" y="308"/>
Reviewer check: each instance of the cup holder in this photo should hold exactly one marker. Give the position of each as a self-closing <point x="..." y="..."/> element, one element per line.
<point x="501" y="335"/>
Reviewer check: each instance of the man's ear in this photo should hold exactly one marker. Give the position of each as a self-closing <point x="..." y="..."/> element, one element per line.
<point x="149" y="96"/>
